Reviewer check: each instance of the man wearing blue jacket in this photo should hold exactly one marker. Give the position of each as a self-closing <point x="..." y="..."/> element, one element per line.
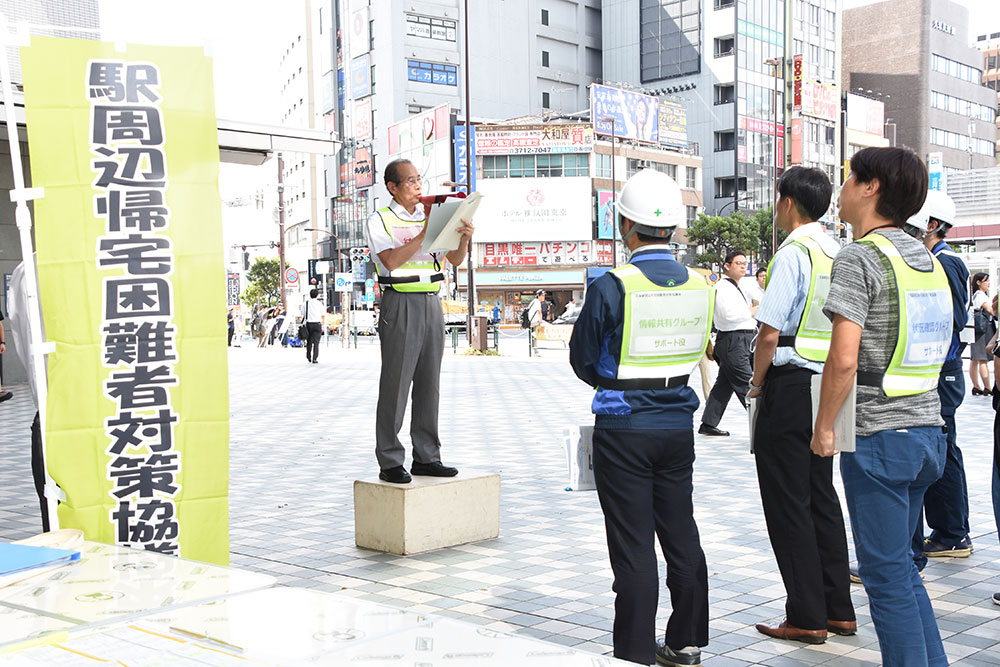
<point x="642" y="330"/>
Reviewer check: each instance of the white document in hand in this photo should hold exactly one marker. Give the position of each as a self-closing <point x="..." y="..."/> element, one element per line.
<point x="444" y="221"/>
<point x="843" y="425"/>
<point x="752" y="410"/>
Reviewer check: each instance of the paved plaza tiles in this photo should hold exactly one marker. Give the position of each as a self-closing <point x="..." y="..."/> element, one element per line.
<point x="302" y="433"/>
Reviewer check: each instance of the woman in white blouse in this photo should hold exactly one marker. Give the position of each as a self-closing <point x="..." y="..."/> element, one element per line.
<point x="979" y="370"/>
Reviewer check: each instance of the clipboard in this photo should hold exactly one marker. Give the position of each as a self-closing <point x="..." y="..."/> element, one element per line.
<point x="444" y="221"/>
<point x="844" y="424"/>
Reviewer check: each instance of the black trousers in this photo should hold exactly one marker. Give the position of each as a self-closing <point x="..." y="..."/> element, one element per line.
<point x="229" y="339"/>
<point x="38" y="470"/>
<point x="732" y="350"/>
<point x="644" y="484"/>
<point x="312" y="340"/>
<point x="801" y="507"/>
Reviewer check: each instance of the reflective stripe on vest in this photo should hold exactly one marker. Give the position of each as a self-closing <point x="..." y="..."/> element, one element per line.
<point x="925" y="323"/>
<point x="419" y="273"/>
<point x="812" y="338"/>
<point x="665" y="329"/>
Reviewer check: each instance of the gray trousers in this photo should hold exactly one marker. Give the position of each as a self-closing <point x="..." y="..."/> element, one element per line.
<point x="411" y="333"/>
<point x="732" y="350"/>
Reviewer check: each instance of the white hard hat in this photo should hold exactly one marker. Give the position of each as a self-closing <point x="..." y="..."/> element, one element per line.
<point x="652" y="199"/>
<point x="937" y="205"/>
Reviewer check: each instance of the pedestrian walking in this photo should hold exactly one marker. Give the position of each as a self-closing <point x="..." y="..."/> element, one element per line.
<point x="312" y="315"/>
<point x="643" y="444"/>
<point x="231" y="327"/>
<point x="983" y="316"/>
<point x="804" y="520"/>
<point x="946" y="502"/>
<point x="892" y="326"/>
<point x="734" y="318"/>
<point x="410" y="327"/>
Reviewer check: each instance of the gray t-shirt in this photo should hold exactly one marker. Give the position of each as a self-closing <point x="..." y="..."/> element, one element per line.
<point x="863" y="290"/>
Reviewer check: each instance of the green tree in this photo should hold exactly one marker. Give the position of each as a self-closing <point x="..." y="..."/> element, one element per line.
<point x="265" y="282"/>
<point x="718" y="236"/>
<point x="764" y="220"/>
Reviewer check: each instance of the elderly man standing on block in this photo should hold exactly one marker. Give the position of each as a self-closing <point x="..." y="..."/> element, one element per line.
<point x="410" y="327"/>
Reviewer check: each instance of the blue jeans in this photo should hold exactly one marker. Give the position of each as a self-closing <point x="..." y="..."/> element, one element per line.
<point x="884" y="482"/>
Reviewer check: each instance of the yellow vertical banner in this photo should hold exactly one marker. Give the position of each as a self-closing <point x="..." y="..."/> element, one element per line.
<point x="131" y="276"/>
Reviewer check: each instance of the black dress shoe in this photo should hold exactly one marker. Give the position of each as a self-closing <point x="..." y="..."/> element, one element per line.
<point x="397" y="475"/>
<point x="711" y="430"/>
<point x="435" y="469"/>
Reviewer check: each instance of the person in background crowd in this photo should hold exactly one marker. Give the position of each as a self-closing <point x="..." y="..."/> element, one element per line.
<point x="312" y="315"/>
<point x="496" y="313"/>
<point x="754" y="287"/>
<point x="536" y="309"/>
<point x="643" y="444"/>
<point x="801" y="507"/>
<point x="983" y="315"/>
<point x="4" y="395"/>
<point x="231" y="327"/>
<point x="734" y="318"/>
<point x="900" y="444"/>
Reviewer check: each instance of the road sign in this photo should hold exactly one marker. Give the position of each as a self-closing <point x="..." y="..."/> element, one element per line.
<point x="370" y="283"/>
<point x="291" y="275"/>
<point x="343" y="282"/>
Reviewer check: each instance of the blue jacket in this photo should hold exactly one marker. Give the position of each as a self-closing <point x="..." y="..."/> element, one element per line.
<point x="958" y="280"/>
<point x="595" y="352"/>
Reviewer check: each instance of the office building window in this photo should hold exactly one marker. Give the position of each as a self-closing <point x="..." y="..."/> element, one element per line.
<point x="545" y="58"/>
<point x="691" y="180"/>
<point x="602" y="165"/>
<point x="725" y="140"/>
<point x="962" y="107"/>
<point x="724" y="46"/>
<point x="545" y="17"/>
<point x="725" y="93"/>
<point x="669" y="38"/>
<point x="961" y="142"/>
<point x="524" y="166"/>
<point x="956" y="69"/>
<point x="722" y="4"/>
<point x="692" y="213"/>
<point x="545" y="100"/>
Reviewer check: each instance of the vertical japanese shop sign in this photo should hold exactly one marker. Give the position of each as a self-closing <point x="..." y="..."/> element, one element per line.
<point x="130" y="264"/>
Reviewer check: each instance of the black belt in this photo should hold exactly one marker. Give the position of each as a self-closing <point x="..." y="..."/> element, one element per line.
<point x="389" y="280"/>
<point x="643" y="383"/>
<point x="736" y="331"/>
<point x="870" y="379"/>
<point x="786" y="341"/>
<point x="787" y="369"/>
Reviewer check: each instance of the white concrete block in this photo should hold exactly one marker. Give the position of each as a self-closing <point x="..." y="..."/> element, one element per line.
<point x="426" y="514"/>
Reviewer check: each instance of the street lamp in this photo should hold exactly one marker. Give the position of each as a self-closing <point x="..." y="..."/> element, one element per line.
<point x="335" y="238"/>
<point x="775" y="64"/>
<point x="614" y="194"/>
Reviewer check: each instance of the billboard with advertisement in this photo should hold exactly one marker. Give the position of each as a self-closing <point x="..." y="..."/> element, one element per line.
<point x="546" y="253"/>
<point x="797" y="82"/>
<point x="363" y="120"/>
<point x="606" y="227"/>
<point x="865" y="115"/>
<point x="534" y="139"/>
<point x="673" y="124"/>
<point x="821" y="100"/>
<point x="461" y="164"/>
<point x="361" y="77"/>
<point x="364" y="167"/>
<point x="360" y="31"/>
<point x="635" y="116"/>
<point x="424" y="139"/>
<point x="935" y="171"/>
<point x="534" y="209"/>
<point x="796" y="141"/>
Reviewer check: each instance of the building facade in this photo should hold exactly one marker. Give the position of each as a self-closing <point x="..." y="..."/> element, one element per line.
<point x="990" y="46"/>
<point x="733" y="62"/>
<point x="917" y="54"/>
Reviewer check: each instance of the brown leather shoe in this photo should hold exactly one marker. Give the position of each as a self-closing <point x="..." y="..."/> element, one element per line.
<point x="785" y="631"/>
<point x="842" y="628"/>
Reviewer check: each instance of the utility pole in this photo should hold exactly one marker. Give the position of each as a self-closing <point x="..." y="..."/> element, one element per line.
<point x="468" y="177"/>
<point x="281" y="230"/>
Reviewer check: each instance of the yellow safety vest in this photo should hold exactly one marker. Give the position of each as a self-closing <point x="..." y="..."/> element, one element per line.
<point x="925" y="325"/>
<point x="812" y="338"/>
<point x="665" y="329"/>
<point x="421" y="273"/>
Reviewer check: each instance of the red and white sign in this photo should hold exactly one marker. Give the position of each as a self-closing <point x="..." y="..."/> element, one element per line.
<point x="797" y="82"/>
<point x="291" y="276"/>
<point x="533" y="139"/>
<point x="555" y="253"/>
<point x="535" y="209"/>
<point x="820" y="100"/>
<point x="865" y="115"/>
<point x="363" y="120"/>
<point x="762" y="126"/>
